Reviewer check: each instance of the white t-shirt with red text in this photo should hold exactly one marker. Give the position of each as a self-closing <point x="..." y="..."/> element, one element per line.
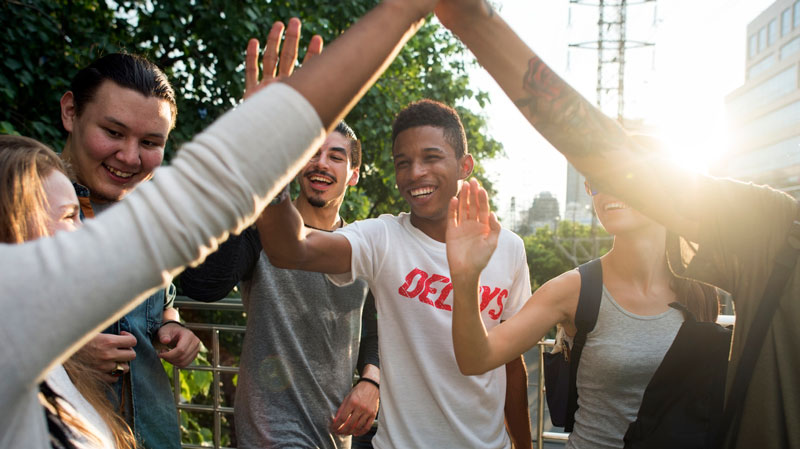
<point x="425" y="400"/>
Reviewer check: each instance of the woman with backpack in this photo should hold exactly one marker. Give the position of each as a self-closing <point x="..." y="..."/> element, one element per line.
<point x="635" y="325"/>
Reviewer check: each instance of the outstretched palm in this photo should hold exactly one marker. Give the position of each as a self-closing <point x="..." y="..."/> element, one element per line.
<point x="472" y="231"/>
<point x="276" y="68"/>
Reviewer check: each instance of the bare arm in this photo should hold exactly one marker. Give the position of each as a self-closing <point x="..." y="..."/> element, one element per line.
<point x="518" y="418"/>
<point x="289" y="244"/>
<point x="469" y="234"/>
<point x="358" y="57"/>
<point x="594" y="143"/>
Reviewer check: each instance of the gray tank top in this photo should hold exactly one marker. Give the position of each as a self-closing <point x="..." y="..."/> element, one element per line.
<point x="620" y="357"/>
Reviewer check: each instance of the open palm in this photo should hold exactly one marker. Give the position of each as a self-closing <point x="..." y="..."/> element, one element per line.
<point x="472" y="231"/>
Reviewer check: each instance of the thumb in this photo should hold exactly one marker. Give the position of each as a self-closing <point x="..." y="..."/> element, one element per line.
<point x="165" y="336"/>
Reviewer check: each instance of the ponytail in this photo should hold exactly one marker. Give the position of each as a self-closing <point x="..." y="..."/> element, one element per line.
<point x="700" y="298"/>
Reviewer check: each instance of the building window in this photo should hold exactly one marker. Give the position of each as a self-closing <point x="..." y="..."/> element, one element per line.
<point x="786" y="22"/>
<point x="797" y="14"/>
<point x="762" y="39"/>
<point x="753" y="45"/>
<point x="773" y="31"/>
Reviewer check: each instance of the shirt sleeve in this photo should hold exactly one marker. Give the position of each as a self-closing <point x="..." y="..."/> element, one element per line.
<point x="521" y="287"/>
<point x="224" y="269"/>
<point x="742" y="228"/>
<point x="368" y="349"/>
<point x="57" y="291"/>
<point x="367" y="240"/>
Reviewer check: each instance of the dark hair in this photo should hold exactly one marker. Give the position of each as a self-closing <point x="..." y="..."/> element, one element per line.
<point x="700" y="298"/>
<point x="355" y="144"/>
<point x="433" y="113"/>
<point x="129" y="71"/>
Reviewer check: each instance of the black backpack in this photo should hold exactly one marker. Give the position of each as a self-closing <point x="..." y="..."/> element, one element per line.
<point x="682" y="404"/>
<point x="561" y="369"/>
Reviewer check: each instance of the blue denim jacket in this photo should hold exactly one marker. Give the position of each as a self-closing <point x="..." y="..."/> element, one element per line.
<point x="144" y="394"/>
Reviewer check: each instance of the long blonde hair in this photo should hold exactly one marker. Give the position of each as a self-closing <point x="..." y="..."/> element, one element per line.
<point x="24" y="163"/>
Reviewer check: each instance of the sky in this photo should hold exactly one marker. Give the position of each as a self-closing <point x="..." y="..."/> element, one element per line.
<point x="678" y="85"/>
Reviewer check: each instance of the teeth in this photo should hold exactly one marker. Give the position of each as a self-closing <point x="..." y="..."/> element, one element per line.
<point x="422" y="191"/>
<point x="116" y="172"/>
<point x="614" y="206"/>
<point x="320" y="179"/>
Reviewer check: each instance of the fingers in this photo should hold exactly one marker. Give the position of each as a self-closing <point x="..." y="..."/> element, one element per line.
<point x="187" y="345"/>
<point x="270" y="60"/>
<point x="289" y="51"/>
<point x="473" y="199"/>
<point x="463" y="203"/>
<point x="314" y="48"/>
<point x="483" y="205"/>
<point x="251" y="67"/>
<point x="452" y="213"/>
<point x="494" y="224"/>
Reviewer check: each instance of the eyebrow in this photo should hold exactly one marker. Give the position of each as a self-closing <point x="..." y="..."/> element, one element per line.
<point x="122" y="125"/>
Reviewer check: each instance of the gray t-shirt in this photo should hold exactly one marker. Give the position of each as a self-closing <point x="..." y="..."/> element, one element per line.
<point x="298" y="358"/>
<point x="620" y="357"/>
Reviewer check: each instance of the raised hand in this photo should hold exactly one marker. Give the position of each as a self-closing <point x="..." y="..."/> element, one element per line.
<point x="275" y="68"/>
<point x="472" y="231"/>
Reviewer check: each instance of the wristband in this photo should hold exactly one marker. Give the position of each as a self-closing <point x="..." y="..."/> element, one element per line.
<point x="172" y="321"/>
<point x="369" y="381"/>
<point x="282" y="195"/>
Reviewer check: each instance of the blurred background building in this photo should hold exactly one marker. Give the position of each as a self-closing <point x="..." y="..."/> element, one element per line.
<point x="764" y="113"/>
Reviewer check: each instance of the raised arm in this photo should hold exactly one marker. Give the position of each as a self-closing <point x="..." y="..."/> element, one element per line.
<point x="471" y="239"/>
<point x="291" y="245"/>
<point x="217" y="184"/>
<point x="595" y="144"/>
<point x="358" y="57"/>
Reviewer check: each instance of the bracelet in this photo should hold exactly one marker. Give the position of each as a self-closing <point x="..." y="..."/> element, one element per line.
<point x="282" y="195"/>
<point x="172" y="321"/>
<point x="369" y="381"/>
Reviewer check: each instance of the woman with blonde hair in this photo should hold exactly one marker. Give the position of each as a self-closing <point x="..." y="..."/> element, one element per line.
<point x="37" y="200"/>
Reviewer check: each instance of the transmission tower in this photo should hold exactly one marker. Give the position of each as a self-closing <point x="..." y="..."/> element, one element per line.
<point x="611" y="46"/>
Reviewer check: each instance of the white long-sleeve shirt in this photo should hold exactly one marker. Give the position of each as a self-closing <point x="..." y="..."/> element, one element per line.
<point x="56" y="292"/>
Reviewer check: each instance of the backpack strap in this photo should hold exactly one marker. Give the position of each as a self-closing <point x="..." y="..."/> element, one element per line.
<point x="785" y="262"/>
<point x="585" y="319"/>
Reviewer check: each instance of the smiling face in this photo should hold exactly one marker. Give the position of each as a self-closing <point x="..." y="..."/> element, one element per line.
<point x="63" y="210"/>
<point x="117" y="141"/>
<point x="428" y="173"/>
<point x="324" y="180"/>
<point x="616" y="216"/>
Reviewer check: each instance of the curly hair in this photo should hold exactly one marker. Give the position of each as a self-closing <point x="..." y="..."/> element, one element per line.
<point x="433" y="113"/>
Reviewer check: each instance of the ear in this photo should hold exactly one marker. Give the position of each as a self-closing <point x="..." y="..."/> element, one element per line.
<point x="68" y="113"/>
<point x="354" y="177"/>
<point x="466" y="164"/>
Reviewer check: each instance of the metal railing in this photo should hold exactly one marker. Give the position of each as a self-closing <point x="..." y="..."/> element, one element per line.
<point x="216" y="367"/>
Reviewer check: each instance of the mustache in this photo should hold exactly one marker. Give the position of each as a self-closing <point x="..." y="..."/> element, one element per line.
<point x="320" y="172"/>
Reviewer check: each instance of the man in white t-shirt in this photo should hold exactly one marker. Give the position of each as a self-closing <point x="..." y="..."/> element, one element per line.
<point x="425" y="400"/>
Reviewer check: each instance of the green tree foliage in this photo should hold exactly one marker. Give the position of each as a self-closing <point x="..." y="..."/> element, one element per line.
<point x="200" y="45"/>
<point x="547" y="260"/>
